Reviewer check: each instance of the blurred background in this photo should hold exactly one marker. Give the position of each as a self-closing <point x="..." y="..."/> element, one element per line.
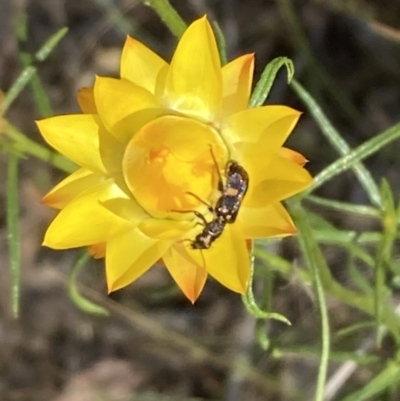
<point x="155" y="345"/>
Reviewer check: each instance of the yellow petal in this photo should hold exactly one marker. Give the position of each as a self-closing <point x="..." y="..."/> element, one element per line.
<point x="117" y="99"/>
<point x="111" y="153"/>
<point x="194" y="79"/>
<point x="129" y="256"/>
<point x="292" y="155"/>
<point x="84" y="221"/>
<point x="189" y="276"/>
<point x="75" y="136"/>
<point x="142" y="66"/>
<point x="237" y="79"/>
<point x="71" y="187"/>
<point x="164" y="229"/>
<point x="272" y="122"/>
<point x="282" y="180"/>
<point x="122" y="205"/>
<point x="227" y="260"/>
<point x="130" y="125"/>
<point x="270" y="221"/>
<point x="86" y="100"/>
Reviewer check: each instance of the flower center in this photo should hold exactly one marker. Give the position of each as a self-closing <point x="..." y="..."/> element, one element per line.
<point x="168" y="166"/>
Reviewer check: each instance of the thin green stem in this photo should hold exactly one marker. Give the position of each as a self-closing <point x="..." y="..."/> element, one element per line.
<point x="305" y="351"/>
<point x="312" y="258"/>
<point x="385" y="379"/>
<point x="26" y="146"/>
<point x="41" y="99"/>
<point x="28" y="72"/>
<point x="116" y="17"/>
<point x="389" y="220"/>
<point x="13" y="230"/>
<point x="79" y="300"/>
<point x="50" y="44"/>
<point x="169" y="16"/>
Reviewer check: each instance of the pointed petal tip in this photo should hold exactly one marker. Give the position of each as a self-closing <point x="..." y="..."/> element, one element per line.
<point x="111" y="287"/>
<point x="192" y="298"/>
<point x="47" y="200"/>
<point x="47" y="243"/>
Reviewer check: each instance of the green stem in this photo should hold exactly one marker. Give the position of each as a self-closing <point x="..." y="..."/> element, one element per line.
<point x="13" y="230"/>
<point x="116" y="17"/>
<point x="311" y="256"/>
<point x="389" y="220"/>
<point x="28" y="73"/>
<point x="168" y="15"/>
<point x="79" y="300"/>
<point x="26" y="146"/>
<point x="41" y="99"/>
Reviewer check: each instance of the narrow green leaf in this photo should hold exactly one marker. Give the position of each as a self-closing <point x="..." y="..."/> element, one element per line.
<point x="13" y="231"/>
<point x="28" y="72"/>
<point x="41" y="99"/>
<point x="221" y="42"/>
<point x="355" y="327"/>
<point x="390" y="376"/>
<point x="317" y="267"/>
<point x="50" y="44"/>
<point x="358" y="278"/>
<point x="353" y="158"/>
<point x="169" y="16"/>
<point x="389" y="220"/>
<point x="262" y="336"/>
<point x="117" y="18"/>
<point x="339" y="237"/>
<point x="79" y="300"/>
<point x="301" y="351"/>
<point x="17" y="87"/>
<point x="264" y="303"/>
<point x="345" y="207"/>
<point x="264" y="85"/>
<point x="337" y="141"/>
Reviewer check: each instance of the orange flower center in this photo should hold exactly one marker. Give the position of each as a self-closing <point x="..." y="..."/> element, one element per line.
<point x="169" y="168"/>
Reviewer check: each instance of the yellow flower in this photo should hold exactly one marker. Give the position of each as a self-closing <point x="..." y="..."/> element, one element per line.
<point x="146" y="144"/>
